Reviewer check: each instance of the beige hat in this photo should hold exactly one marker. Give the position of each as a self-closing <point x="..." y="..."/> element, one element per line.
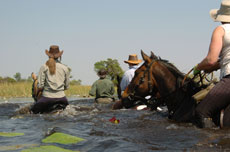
<point x="133" y="59"/>
<point x="223" y="14"/>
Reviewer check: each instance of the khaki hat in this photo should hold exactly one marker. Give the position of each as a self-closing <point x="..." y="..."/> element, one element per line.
<point x="223" y="14"/>
<point x="54" y="52"/>
<point x="133" y="59"/>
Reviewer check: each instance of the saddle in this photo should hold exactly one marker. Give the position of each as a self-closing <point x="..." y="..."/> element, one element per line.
<point x="199" y="96"/>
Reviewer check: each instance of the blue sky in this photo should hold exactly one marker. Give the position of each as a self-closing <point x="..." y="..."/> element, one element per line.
<point x="93" y="30"/>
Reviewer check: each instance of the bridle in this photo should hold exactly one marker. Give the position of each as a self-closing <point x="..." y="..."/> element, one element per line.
<point x="154" y="100"/>
<point x="132" y="96"/>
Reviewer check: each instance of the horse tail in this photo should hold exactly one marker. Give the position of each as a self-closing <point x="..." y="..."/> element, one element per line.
<point x="51" y="63"/>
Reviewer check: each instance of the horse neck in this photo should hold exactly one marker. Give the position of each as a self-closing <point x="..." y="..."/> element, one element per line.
<point x="166" y="81"/>
<point x="179" y="102"/>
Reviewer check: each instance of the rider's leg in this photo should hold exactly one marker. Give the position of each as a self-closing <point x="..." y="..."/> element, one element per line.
<point x="216" y="100"/>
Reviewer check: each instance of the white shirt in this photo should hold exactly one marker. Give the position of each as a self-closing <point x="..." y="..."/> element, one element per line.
<point x="127" y="77"/>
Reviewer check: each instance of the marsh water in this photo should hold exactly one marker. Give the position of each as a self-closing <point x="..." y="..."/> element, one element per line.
<point x="137" y="130"/>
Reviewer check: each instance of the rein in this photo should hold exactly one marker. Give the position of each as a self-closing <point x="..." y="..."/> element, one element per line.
<point x="154" y="101"/>
<point x="132" y="96"/>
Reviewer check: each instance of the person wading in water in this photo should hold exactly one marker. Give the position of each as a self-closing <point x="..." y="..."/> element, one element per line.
<point x="53" y="79"/>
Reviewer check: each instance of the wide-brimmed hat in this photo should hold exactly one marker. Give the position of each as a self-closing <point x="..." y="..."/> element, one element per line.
<point x="222" y="14"/>
<point x="102" y="73"/>
<point x="133" y="59"/>
<point x="54" y="52"/>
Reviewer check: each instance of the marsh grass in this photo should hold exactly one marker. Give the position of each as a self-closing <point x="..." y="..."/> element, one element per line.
<point x="24" y="89"/>
<point x="78" y="90"/>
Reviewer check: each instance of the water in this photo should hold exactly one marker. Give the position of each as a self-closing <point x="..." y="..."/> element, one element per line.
<point x="137" y="131"/>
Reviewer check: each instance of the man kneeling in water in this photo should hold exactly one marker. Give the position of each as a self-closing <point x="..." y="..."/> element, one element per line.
<point x="53" y="79"/>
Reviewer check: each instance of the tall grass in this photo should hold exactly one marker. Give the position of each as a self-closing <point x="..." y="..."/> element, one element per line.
<point x="12" y="90"/>
<point x="24" y="89"/>
<point x="79" y="90"/>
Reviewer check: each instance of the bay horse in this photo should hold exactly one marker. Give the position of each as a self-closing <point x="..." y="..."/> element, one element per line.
<point x="166" y="85"/>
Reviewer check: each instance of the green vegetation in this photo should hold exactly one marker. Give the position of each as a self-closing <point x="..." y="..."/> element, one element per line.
<point x="10" y="134"/>
<point x="78" y="90"/>
<point x="47" y="149"/>
<point x="15" y="89"/>
<point x="62" y="138"/>
<point x="58" y="138"/>
<point x="113" y="68"/>
<point x="24" y="89"/>
<point x="18" y="87"/>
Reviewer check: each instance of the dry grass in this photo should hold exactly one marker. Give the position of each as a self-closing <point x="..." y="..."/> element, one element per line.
<point x="24" y="89"/>
<point x="79" y="90"/>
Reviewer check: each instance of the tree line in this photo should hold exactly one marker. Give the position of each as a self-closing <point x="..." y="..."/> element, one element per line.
<point x="115" y="73"/>
<point x="18" y="78"/>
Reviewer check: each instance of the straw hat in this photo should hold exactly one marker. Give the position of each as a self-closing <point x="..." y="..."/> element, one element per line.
<point x="223" y="14"/>
<point x="54" y="52"/>
<point x="133" y="59"/>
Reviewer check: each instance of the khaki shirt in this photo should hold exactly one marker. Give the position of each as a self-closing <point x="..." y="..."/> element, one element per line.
<point x="54" y="85"/>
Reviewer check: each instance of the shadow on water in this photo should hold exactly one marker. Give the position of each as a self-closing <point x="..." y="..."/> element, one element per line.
<point x="137" y="131"/>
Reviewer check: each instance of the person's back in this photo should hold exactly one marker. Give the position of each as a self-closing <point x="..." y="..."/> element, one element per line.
<point x="129" y="74"/>
<point x="225" y="53"/>
<point x="53" y="79"/>
<point x="103" y="89"/>
<point x="54" y="84"/>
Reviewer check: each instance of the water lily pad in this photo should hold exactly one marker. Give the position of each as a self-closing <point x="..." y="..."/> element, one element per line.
<point x="47" y="149"/>
<point x="15" y="147"/>
<point x="10" y="134"/>
<point x="62" y="138"/>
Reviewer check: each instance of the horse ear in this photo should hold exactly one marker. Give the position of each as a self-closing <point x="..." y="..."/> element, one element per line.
<point x="153" y="56"/>
<point x="145" y="57"/>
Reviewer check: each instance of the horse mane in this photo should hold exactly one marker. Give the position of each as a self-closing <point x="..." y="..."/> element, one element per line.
<point x="172" y="68"/>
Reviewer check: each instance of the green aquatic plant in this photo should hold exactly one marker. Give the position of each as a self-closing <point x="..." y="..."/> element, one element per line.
<point x="15" y="147"/>
<point x="62" y="138"/>
<point x="10" y="134"/>
<point x="47" y="149"/>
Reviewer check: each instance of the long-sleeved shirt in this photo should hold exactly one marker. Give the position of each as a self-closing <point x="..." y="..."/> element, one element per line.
<point x="127" y="77"/>
<point x="102" y="88"/>
<point x="54" y="85"/>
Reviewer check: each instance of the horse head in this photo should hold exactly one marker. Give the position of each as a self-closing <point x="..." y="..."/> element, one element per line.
<point x="143" y="83"/>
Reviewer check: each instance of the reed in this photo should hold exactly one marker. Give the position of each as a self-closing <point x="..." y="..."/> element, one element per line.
<point x="24" y="89"/>
<point x="78" y="90"/>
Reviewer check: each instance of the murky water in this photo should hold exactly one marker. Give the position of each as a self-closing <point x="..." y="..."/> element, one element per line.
<point x="137" y="131"/>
